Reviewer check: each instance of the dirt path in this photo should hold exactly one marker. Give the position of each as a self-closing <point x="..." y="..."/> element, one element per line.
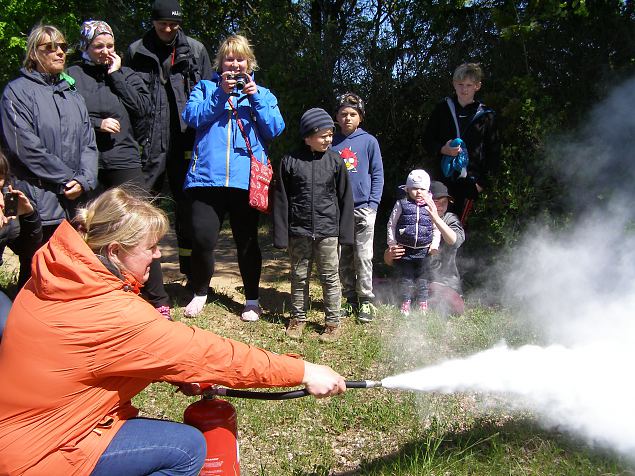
<point x="226" y="275"/>
<point x="226" y="279"/>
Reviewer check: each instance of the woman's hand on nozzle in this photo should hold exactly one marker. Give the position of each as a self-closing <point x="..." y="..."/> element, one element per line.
<point x="322" y="381"/>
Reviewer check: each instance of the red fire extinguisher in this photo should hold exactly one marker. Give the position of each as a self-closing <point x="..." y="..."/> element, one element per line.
<point x="216" y="418"/>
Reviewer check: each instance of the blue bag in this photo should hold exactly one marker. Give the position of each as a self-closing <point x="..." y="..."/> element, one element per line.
<point x="455" y="166"/>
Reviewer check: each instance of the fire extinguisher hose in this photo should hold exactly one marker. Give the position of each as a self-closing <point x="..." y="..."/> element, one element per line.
<point x="230" y="392"/>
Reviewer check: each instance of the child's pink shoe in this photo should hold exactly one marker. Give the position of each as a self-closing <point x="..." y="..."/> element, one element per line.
<point x="405" y="308"/>
<point x="423" y="307"/>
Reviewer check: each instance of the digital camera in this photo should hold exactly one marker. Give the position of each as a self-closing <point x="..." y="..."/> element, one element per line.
<point x="240" y="78"/>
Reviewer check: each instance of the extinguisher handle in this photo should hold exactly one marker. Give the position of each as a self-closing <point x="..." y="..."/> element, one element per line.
<point x="230" y="392"/>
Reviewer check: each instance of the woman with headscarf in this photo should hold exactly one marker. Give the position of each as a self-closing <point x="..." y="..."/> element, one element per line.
<point x="116" y="98"/>
<point x="47" y="131"/>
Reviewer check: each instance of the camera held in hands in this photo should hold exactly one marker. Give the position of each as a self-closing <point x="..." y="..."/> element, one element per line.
<point x="240" y="79"/>
<point x="10" y="204"/>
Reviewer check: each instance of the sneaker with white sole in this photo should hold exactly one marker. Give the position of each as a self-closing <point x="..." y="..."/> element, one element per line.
<point x="405" y="308"/>
<point x="165" y="311"/>
<point x="367" y="312"/>
<point x="251" y="313"/>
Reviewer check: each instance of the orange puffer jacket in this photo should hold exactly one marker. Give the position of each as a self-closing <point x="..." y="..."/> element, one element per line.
<point x="79" y="345"/>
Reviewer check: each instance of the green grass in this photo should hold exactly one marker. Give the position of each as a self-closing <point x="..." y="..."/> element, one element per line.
<point x="380" y="431"/>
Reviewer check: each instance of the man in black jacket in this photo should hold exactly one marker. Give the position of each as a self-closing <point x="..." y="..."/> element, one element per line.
<point x="171" y="64"/>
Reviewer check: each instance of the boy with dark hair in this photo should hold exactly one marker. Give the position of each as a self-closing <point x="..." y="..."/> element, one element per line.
<point x="361" y="155"/>
<point x="313" y="215"/>
<point x="463" y="117"/>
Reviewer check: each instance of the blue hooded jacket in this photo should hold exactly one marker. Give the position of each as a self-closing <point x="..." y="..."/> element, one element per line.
<point x="220" y="157"/>
<point x="362" y="157"/>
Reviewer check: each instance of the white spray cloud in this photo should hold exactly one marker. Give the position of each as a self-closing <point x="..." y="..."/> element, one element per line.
<point x="577" y="284"/>
<point x="580" y="389"/>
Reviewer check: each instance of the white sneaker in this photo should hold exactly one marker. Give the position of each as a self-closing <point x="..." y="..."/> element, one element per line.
<point x="195" y="306"/>
<point x="251" y="313"/>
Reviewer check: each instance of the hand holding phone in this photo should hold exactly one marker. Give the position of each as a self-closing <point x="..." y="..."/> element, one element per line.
<point x="10" y="204"/>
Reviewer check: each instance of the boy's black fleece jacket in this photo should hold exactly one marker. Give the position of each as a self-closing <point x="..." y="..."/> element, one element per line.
<point x="313" y="198"/>
<point x="481" y="138"/>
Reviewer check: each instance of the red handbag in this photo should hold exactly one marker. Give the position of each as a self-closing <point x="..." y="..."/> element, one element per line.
<point x="260" y="175"/>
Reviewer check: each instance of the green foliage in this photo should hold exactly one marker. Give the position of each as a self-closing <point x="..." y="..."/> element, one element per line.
<point x="546" y="63"/>
<point x="18" y="19"/>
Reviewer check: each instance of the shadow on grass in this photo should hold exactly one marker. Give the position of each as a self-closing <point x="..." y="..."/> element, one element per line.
<point x="273" y="301"/>
<point x="491" y="449"/>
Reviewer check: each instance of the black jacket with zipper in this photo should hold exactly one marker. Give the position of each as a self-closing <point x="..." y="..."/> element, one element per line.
<point x="480" y="136"/>
<point x="121" y="95"/>
<point x="50" y="141"/>
<point x="170" y="72"/>
<point x="313" y="198"/>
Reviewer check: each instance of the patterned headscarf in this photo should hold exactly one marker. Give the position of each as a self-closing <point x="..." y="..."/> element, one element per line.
<point x="91" y="29"/>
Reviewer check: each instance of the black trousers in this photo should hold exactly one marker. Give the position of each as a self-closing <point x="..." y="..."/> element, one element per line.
<point x="153" y="290"/>
<point x="209" y="207"/>
<point x="116" y="177"/>
<point x="176" y="169"/>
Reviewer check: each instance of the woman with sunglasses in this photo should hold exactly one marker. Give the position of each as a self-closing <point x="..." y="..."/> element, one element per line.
<point x="48" y="133"/>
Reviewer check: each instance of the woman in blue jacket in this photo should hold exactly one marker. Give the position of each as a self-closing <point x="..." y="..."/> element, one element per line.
<point x="228" y="112"/>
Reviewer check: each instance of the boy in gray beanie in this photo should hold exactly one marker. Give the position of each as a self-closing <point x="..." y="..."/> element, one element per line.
<point x="313" y="215"/>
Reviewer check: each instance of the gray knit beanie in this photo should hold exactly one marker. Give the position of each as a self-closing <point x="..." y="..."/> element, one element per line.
<point x="315" y="120"/>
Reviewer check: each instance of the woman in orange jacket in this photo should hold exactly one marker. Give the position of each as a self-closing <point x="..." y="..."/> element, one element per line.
<point x="80" y="344"/>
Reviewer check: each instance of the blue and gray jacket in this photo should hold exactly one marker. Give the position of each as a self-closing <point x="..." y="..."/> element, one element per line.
<point x="220" y="157"/>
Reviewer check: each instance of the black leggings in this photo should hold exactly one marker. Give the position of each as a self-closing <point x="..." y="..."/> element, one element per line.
<point x="209" y="206"/>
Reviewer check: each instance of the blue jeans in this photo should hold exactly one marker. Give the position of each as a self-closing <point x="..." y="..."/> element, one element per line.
<point x="145" y="447"/>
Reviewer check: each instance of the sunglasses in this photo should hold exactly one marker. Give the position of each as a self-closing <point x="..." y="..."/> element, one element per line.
<point x="51" y="47"/>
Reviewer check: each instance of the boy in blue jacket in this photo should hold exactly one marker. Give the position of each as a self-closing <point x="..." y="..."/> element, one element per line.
<point x="360" y="152"/>
<point x="312" y="216"/>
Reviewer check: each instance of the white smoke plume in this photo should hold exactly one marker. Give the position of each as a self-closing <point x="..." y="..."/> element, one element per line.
<point x="575" y="282"/>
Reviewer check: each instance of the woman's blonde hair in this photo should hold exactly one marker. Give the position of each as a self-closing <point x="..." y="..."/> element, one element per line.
<point x="34" y="40"/>
<point x="120" y="216"/>
<point x="237" y="45"/>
